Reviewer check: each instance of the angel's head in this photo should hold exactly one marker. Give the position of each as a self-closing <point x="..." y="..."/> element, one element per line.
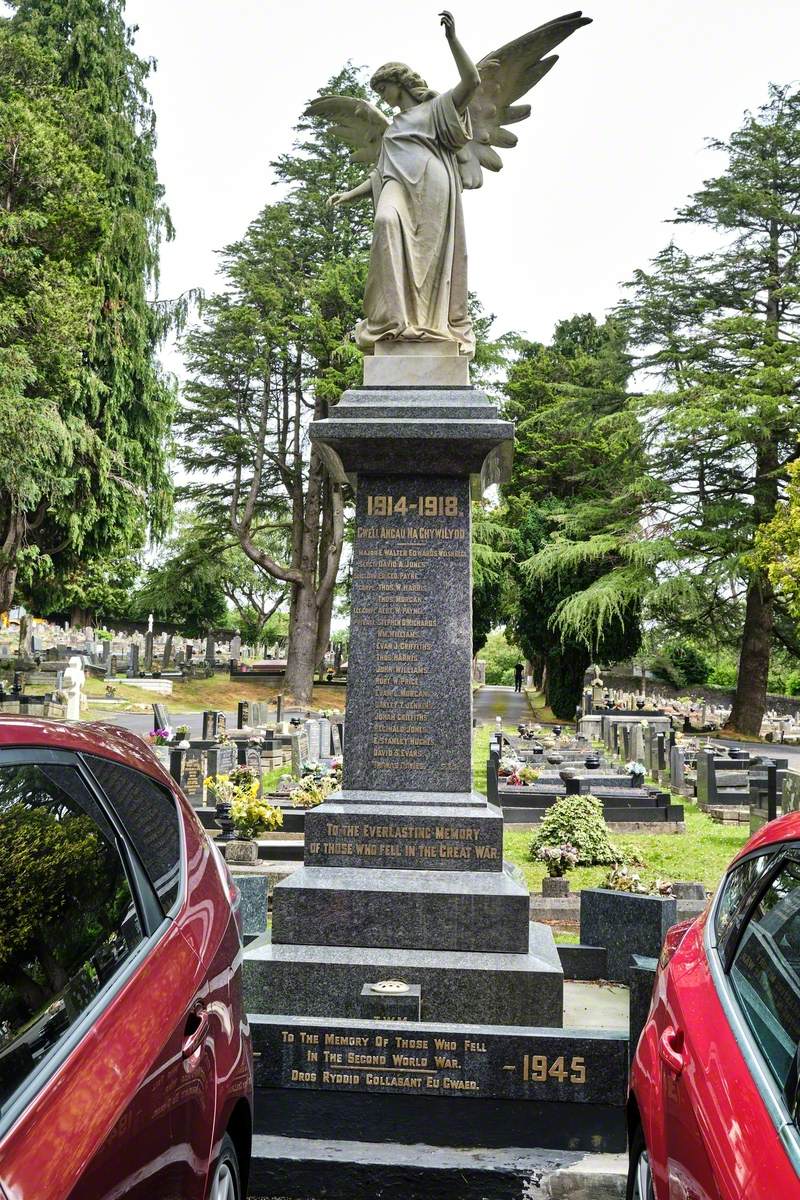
<point x="394" y="78"/>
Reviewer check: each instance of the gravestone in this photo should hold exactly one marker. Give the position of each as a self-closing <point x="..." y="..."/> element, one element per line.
<point x="336" y="740"/>
<point x="221" y="760"/>
<point x="300" y="752"/>
<point x="166" y="653"/>
<point x="314" y="743"/>
<point x="133" y="660"/>
<point x="637" y="743"/>
<point x="243" y="714"/>
<point x="160" y="717"/>
<point x="214" y="724"/>
<point x="324" y="738"/>
<point x="188" y="768"/>
<point x="148" y="651"/>
<point x="210" y="650"/>
<point x="235" y="649"/>
<point x="253" y="762"/>
<point x="676" y="767"/>
<point x="107" y="657"/>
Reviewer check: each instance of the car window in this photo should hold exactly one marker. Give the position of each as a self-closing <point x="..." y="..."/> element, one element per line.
<point x="68" y="916"/>
<point x="150" y="816"/>
<point x="736" y="887"/>
<point x="766" y="971"/>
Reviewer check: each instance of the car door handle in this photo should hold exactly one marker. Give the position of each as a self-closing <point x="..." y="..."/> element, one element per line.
<point x="196" y="1030"/>
<point x="670" y="1048"/>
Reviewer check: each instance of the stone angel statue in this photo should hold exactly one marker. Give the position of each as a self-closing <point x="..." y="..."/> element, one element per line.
<point x="434" y="146"/>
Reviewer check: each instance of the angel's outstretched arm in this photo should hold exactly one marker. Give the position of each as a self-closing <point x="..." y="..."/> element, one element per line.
<point x="357" y="193"/>
<point x="470" y="79"/>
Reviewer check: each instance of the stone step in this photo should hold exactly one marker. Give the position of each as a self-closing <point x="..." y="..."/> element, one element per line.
<point x="326" y="981"/>
<point x="450" y="1084"/>
<point x="281" y="849"/>
<point x="423" y="837"/>
<point x="408" y="910"/>
<point x="293" y="1167"/>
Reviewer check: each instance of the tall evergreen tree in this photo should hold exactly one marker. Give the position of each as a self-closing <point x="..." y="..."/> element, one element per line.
<point x="574" y="502"/>
<point x="720" y="331"/>
<point x="271" y="355"/>
<point x="53" y="223"/>
<point x="120" y="391"/>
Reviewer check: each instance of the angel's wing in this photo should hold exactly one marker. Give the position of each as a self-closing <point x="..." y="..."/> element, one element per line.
<point x="505" y="76"/>
<point x="356" y="122"/>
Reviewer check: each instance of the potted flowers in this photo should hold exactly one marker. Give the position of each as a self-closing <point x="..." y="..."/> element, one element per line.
<point x="636" y="772"/>
<point x="558" y="860"/>
<point x="242" y="813"/>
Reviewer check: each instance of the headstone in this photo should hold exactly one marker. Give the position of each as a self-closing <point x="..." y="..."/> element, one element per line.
<point x="210" y="650"/>
<point x="324" y="738"/>
<point x="279" y="708"/>
<point x="312" y="732"/>
<point x="221" y="760"/>
<point x="336" y="740"/>
<point x="167" y="653"/>
<point x="676" y="767"/>
<point x="243" y="714"/>
<point x="300" y="752"/>
<point x="214" y="724"/>
<point x="235" y="648"/>
<point x="637" y="743"/>
<point x="253" y="763"/>
<point x="160" y="717"/>
<point x="188" y="767"/>
<point x="148" y="651"/>
<point x="107" y="656"/>
<point x="133" y="660"/>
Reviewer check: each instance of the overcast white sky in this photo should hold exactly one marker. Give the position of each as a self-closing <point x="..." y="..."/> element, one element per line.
<point x="614" y="144"/>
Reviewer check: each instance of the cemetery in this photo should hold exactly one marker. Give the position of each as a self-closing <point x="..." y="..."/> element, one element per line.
<point x="466" y="625"/>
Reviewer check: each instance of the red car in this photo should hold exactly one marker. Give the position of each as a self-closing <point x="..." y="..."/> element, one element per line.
<point x="715" y="1082"/>
<point x="125" y="1055"/>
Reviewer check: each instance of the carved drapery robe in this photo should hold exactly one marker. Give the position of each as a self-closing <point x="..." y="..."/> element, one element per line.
<point x="417" y="283"/>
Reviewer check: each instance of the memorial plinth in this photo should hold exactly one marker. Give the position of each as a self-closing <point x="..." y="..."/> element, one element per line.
<point x="403" y="875"/>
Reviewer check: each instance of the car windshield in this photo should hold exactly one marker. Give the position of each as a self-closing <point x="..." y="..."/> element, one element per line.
<point x="766" y="972"/>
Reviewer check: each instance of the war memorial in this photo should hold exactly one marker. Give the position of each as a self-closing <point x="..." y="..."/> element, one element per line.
<point x="403" y="994"/>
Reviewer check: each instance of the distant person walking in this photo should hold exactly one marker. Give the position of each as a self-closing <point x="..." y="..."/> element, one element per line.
<point x="518" y="673"/>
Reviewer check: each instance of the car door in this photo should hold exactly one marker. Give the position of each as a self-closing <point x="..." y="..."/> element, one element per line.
<point x="722" y="1137"/>
<point x="96" y="986"/>
<point x="160" y="1144"/>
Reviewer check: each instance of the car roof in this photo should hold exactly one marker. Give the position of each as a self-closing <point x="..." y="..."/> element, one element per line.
<point x="784" y="829"/>
<point x="87" y="737"/>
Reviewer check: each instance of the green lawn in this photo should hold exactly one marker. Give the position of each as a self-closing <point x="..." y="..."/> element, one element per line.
<point x="702" y="853"/>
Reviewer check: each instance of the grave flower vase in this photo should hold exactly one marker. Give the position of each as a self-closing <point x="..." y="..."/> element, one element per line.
<point x="242" y="852"/>
<point x="555" y="886"/>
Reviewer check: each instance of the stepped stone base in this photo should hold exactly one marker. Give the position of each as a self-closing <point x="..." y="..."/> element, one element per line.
<point x="326" y="981"/>
<point x="291" y="1167"/>
<point x="422" y="910"/>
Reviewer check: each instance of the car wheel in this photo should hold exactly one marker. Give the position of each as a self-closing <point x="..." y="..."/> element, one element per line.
<point x="640" y="1177"/>
<point x="225" y="1184"/>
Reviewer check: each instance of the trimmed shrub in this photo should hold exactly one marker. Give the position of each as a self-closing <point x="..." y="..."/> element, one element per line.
<point x="579" y="821"/>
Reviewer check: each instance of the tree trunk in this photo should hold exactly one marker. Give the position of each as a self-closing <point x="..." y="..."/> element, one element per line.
<point x="301" y="658"/>
<point x="324" y="631"/>
<point x="750" y="700"/>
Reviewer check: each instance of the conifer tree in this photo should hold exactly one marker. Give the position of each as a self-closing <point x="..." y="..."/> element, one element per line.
<point x="720" y="333"/>
<point x="121" y="393"/>
<point x="271" y="355"/>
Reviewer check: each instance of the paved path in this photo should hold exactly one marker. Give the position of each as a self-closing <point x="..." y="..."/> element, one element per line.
<point x="142" y="723"/>
<point x="491" y="702"/>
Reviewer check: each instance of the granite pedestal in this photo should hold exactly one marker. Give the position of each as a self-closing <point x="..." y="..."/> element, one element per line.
<point x="403" y="875"/>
